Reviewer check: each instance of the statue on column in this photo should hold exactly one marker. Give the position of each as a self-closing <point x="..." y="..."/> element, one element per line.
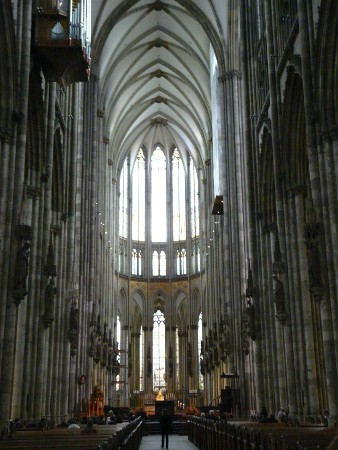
<point x="313" y="258"/>
<point x="73" y="332"/>
<point x="50" y="292"/>
<point x="21" y="272"/>
<point x="251" y="313"/>
<point x="279" y="296"/>
<point x="74" y="318"/>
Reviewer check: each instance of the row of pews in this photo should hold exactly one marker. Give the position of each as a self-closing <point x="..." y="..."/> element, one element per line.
<point x="124" y="436"/>
<point x="219" y="435"/>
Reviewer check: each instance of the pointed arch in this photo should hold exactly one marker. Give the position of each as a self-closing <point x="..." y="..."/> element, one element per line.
<point x="327" y="50"/>
<point x="293" y="138"/>
<point x="8" y="70"/>
<point x="267" y="196"/>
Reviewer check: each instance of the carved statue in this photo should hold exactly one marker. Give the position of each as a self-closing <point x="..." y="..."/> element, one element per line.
<point x="73" y="332"/>
<point x="22" y="264"/>
<point x="227" y="342"/>
<point x="245" y="338"/>
<point x="313" y="258"/>
<point x="84" y="405"/>
<point x="202" y="365"/>
<point x="74" y="318"/>
<point x="279" y="295"/>
<point x="251" y="313"/>
<point x="50" y="292"/>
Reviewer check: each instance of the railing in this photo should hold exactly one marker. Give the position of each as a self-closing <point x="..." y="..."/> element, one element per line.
<point x="129" y="438"/>
<point x="71" y="23"/>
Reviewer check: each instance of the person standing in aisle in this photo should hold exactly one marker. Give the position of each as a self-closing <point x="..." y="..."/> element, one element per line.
<point x="165" y="423"/>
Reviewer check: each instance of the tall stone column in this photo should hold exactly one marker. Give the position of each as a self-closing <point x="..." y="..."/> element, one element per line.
<point x="134" y="370"/>
<point x="183" y="369"/>
<point x="47" y="204"/>
<point x="148" y="360"/>
<point x="15" y="193"/>
<point x="193" y="336"/>
<point x="306" y="45"/>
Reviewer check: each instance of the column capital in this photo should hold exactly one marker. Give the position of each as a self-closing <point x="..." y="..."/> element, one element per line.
<point x="230" y="75"/>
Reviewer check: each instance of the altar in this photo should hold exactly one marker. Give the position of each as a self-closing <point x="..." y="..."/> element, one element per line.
<point x="160" y="405"/>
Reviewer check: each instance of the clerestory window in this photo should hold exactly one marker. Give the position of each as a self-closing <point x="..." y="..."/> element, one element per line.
<point x="158" y="213"/>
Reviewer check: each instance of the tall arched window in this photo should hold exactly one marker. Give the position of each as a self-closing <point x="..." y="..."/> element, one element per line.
<point x="158" y="196"/>
<point x="123" y="212"/>
<point x="161" y="193"/>
<point x="179" y="198"/>
<point x="138" y="198"/>
<point x="136" y="262"/>
<point x="123" y="218"/>
<point x="194" y="204"/>
<point x="159" y="351"/>
<point x="181" y="261"/>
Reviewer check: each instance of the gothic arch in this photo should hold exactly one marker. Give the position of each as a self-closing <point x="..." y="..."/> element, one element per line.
<point x="179" y="297"/>
<point x="122" y="309"/>
<point x="197" y="304"/>
<point x="266" y="179"/>
<point x="293" y="137"/>
<point x="35" y="146"/>
<point x="8" y="71"/>
<point x="58" y="188"/>
<point x="159" y="302"/>
<point x="135" y="316"/>
<point x="182" y="315"/>
<point x="327" y="50"/>
<point x="138" y="297"/>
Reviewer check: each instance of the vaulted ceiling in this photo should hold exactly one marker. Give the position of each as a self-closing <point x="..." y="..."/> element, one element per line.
<point x="152" y="59"/>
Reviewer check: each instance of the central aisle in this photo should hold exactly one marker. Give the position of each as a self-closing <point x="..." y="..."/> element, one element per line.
<point x="153" y="442"/>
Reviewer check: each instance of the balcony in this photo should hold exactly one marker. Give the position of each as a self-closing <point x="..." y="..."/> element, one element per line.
<point x="59" y="46"/>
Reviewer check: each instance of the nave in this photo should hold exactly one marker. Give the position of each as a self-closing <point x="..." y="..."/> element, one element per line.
<point x="168" y="208"/>
<point x="153" y="442"/>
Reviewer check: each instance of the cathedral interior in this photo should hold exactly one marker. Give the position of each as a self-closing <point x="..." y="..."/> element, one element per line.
<point x="168" y="206"/>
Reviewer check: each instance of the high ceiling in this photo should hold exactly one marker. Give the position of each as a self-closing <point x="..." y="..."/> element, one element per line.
<point x="153" y="63"/>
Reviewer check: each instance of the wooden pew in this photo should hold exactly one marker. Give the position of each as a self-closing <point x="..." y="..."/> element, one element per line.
<point x="208" y="435"/>
<point x="123" y="436"/>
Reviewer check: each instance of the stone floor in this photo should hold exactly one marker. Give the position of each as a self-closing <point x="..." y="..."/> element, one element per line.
<point x="153" y="442"/>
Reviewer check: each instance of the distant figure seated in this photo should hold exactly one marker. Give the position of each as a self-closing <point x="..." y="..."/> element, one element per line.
<point x="282" y="416"/>
<point x="90" y="427"/>
<point x="263" y="415"/>
<point x="211" y="415"/>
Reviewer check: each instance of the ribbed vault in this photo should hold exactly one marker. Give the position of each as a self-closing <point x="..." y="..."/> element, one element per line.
<point x="153" y="62"/>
